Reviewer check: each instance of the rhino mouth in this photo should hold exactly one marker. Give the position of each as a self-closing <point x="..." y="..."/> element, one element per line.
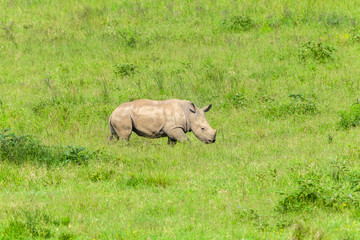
<point x="210" y="141"/>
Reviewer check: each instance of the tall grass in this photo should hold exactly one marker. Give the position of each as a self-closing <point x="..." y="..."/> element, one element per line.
<point x="283" y="80"/>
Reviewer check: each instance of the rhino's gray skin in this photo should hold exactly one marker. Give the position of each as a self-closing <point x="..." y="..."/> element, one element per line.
<point x="154" y="119"/>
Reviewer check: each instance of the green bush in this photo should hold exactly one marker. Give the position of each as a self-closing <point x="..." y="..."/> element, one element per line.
<point x="297" y="104"/>
<point x="332" y="19"/>
<point x="150" y="180"/>
<point x="249" y="215"/>
<point x="355" y="34"/>
<point x="30" y="224"/>
<point x="103" y="175"/>
<point x="25" y="148"/>
<point x="130" y="37"/>
<point x="34" y="225"/>
<point x="309" y="191"/>
<point x="239" y="23"/>
<point x="237" y="100"/>
<point x="336" y="19"/>
<point x="332" y="190"/>
<point x="316" y="50"/>
<point x="351" y="117"/>
<point x="126" y="69"/>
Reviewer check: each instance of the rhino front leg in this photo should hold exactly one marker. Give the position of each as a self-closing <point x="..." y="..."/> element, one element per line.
<point x="171" y="141"/>
<point x="176" y="134"/>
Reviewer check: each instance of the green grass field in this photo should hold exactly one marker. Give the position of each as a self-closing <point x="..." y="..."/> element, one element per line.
<point x="283" y="78"/>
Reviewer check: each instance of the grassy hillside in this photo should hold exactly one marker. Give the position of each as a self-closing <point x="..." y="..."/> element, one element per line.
<point x="283" y="78"/>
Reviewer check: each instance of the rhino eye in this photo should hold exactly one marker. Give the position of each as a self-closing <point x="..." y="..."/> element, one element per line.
<point x="202" y="128"/>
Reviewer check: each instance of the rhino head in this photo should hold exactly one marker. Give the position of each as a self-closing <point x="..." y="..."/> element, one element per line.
<point x="198" y="124"/>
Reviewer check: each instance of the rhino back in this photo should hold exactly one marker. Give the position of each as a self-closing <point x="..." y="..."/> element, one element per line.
<point x="152" y="118"/>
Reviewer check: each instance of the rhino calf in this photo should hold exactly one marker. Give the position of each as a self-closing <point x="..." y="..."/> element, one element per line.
<point x="154" y="119"/>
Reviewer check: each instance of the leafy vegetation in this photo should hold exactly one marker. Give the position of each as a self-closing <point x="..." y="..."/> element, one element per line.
<point x="350" y="117"/>
<point x="239" y="23"/>
<point x="36" y="225"/>
<point x="125" y="69"/>
<point x="23" y="148"/>
<point x="318" y="51"/>
<point x="297" y="104"/>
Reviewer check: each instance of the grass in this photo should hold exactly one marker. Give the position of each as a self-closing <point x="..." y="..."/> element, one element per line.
<point x="283" y="80"/>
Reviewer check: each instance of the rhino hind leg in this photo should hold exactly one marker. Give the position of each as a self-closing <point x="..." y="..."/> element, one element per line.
<point x="121" y="129"/>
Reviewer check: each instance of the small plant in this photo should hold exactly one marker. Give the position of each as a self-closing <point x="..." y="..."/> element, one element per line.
<point x="134" y="181"/>
<point x="239" y="23"/>
<point x="350" y="118"/>
<point x="25" y="148"/>
<point x="66" y="236"/>
<point x="333" y="190"/>
<point x="130" y="37"/>
<point x="29" y="225"/>
<point x="299" y="231"/>
<point x="237" y="100"/>
<point x="355" y="34"/>
<point x="309" y="191"/>
<point x="153" y="180"/>
<point x="126" y="69"/>
<point x="75" y="155"/>
<point x="332" y="19"/>
<point x="339" y="169"/>
<point x="249" y="215"/>
<point x="34" y="225"/>
<point x="2" y="103"/>
<point x="297" y="104"/>
<point x="65" y="221"/>
<point x="318" y="51"/>
<point x="158" y="180"/>
<point x="9" y="31"/>
<point x="101" y="175"/>
<point x="288" y="17"/>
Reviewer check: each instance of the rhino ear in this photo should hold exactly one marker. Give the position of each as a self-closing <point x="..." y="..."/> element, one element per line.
<point x="206" y="109"/>
<point x="192" y="107"/>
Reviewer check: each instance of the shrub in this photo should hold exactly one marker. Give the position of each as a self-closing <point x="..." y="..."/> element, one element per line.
<point x="75" y="155"/>
<point x="34" y="225"/>
<point x="30" y="224"/>
<point x="288" y="17"/>
<point x="25" y="148"/>
<point x="333" y="190"/>
<point x="318" y="51"/>
<point x="101" y="175"/>
<point x="239" y="23"/>
<point x="334" y="19"/>
<point x="308" y="192"/>
<point x="66" y="236"/>
<point x="355" y="34"/>
<point x="249" y="215"/>
<point x="126" y="69"/>
<point x="339" y="169"/>
<point x="297" y="104"/>
<point x="350" y="118"/>
<point x="150" y="180"/>
<point x="130" y="37"/>
<point x="237" y="100"/>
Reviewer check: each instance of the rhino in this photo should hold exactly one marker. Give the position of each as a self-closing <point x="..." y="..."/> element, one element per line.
<point x="171" y="118"/>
